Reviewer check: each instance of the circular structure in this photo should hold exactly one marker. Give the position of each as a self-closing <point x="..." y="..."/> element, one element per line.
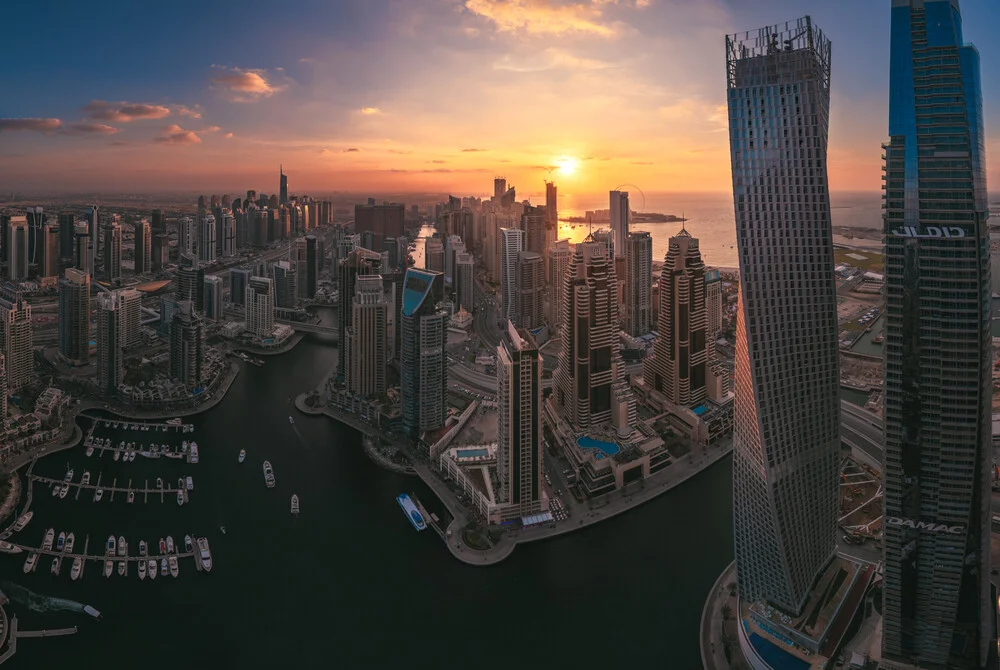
<point x="641" y="194"/>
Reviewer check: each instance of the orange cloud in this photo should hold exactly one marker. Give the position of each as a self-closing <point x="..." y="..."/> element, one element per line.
<point x="123" y="112"/>
<point x="370" y="111"/>
<point x="174" y="134"/>
<point x="544" y="17"/>
<point x="245" y="85"/>
<point x="91" y="129"/>
<point x="35" y="125"/>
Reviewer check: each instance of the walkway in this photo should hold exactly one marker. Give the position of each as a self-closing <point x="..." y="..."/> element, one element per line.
<point x="713" y="622"/>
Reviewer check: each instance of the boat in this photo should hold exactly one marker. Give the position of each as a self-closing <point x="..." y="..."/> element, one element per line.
<point x="56" y="566"/>
<point x="193" y="453"/>
<point x="90" y="451"/>
<point x="111" y="545"/>
<point x="180" y="483"/>
<point x="131" y="496"/>
<point x="69" y="476"/>
<point x="117" y="455"/>
<point x="180" y="496"/>
<point x="205" y="553"/>
<point x="92" y="612"/>
<point x="411" y="511"/>
<point x="268" y="475"/>
<point x="295" y="503"/>
<point x="163" y="567"/>
<point x="222" y="529"/>
<point x="188" y="546"/>
<point x="142" y="570"/>
<point x="159" y="482"/>
<point x="122" y="568"/>
<point x="184" y="446"/>
<point x="170" y="544"/>
<point x="50" y="536"/>
<point x="8" y="548"/>
<point x="23" y="521"/>
<point x="163" y="546"/>
<point x="142" y="547"/>
<point x="98" y="494"/>
<point x="86" y="478"/>
<point x="63" y="490"/>
<point x="174" y="569"/>
<point x="56" y="488"/>
<point x="61" y="541"/>
<point x="189" y="483"/>
<point x="122" y="547"/>
<point x="151" y="569"/>
<point x="77" y="569"/>
<point x="29" y="564"/>
<point x="174" y="422"/>
<point x="109" y="567"/>
<point x="291" y="420"/>
<point x="243" y="455"/>
<point x="70" y="541"/>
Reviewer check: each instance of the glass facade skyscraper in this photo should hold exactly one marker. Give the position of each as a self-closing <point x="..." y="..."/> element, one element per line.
<point x="786" y="441"/>
<point x="936" y="605"/>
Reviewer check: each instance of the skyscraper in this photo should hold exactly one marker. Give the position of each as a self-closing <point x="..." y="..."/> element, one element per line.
<point x="16" y="339"/>
<point x="3" y="395"/>
<point x="238" y="280"/>
<point x="189" y="282"/>
<point x="214" y="307"/>
<point x="51" y="258"/>
<point x="551" y="211"/>
<point x="284" y="275"/>
<point x="228" y="241"/>
<point x="110" y="371"/>
<point x="715" y="302"/>
<point x="621" y="215"/>
<point x="260" y="306"/>
<point x="160" y="252"/>
<point x="206" y="239"/>
<point x="638" y="283"/>
<point x="112" y="251"/>
<point x="17" y="248"/>
<point x="282" y="186"/>
<point x="359" y="261"/>
<point x="186" y="345"/>
<point x="533" y="223"/>
<point x="423" y="362"/>
<point x="143" y="247"/>
<point x="678" y="367"/>
<point x="589" y="388"/>
<point x="93" y="217"/>
<point x="366" y="338"/>
<point x="388" y="220"/>
<point x="311" y="267"/>
<point x="464" y="281"/>
<point x="786" y="441"/>
<point x="434" y="255"/>
<point x="187" y="235"/>
<point x="511" y="244"/>
<point x="519" y="424"/>
<point x="499" y="187"/>
<point x="530" y="290"/>
<point x="559" y="257"/>
<point x="937" y="607"/>
<point x="130" y="309"/>
<point x="82" y="254"/>
<point x="67" y="231"/>
<point x="74" y="317"/>
<point x="36" y="225"/>
<point x="158" y="224"/>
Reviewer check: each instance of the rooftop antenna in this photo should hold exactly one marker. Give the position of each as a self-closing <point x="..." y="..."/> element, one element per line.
<point x="683" y="219"/>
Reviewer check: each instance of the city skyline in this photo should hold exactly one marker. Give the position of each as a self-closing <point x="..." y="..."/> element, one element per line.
<point x="644" y="109"/>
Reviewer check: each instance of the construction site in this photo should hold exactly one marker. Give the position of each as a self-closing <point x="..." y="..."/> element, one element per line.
<point x="860" y="503"/>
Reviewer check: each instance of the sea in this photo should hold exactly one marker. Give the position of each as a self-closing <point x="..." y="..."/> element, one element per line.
<point x="350" y="583"/>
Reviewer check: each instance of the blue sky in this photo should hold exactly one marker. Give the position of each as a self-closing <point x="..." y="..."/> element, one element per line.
<point x="410" y="94"/>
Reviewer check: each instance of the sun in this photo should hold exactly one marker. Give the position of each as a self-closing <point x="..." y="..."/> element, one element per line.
<point x="567" y="165"/>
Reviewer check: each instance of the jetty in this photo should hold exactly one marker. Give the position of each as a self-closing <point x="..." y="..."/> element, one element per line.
<point x="146" y="490"/>
<point x="122" y="424"/>
<point x="13" y="634"/>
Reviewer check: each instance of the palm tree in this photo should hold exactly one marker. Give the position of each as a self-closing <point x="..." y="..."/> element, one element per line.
<point x="727" y="612"/>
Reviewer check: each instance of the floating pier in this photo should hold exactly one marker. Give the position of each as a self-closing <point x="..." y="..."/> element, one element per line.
<point x="146" y="490"/>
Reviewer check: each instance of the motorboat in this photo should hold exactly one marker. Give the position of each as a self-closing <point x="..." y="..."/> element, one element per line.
<point x="77" y="569"/>
<point x="69" y="476"/>
<point x="291" y="420"/>
<point x="205" y="554"/>
<point x="142" y="570"/>
<point x="163" y="567"/>
<point x="98" y="494"/>
<point x="189" y="483"/>
<point x="61" y="541"/>
<point x="86" y="478"/>
<point x="131" y="496"/>
<point x="117" y="456"/>
<point x="8" y="548"/>
<point x="174" y="422"/>
<point x="56" y="566"/>
<point x="159" y="482"/>
<point x="90" y="611"/>
<point x="70" y="541"/>
<point x="222" y="529"/>
<point x="170" y="544"/>
<point x="243" y="455"/>
<point x="122" y="568"/>
<point x="180" y="496"/>
<point x="151" y="565"/>
<point x="295" y="503"/>
<point x="56" y="488"/>
<point x="90" y="451"/>
<point x="184" y="446"/>
<point x="142" y="547"/>
<point x="50" y="536"/>
<point x="268" y="475"/>
<point x="193" y="452"/>
<point x="29" y="564"/>
<point x="188" y="545"/>
<point x="122" y="547"/>
<point x="109" y="567"/>
<point x="180" y="483"/>
<point x="174" y="568"/>
<point x="112" y="543"/>
<point x="163" y="546"/>
<point x="23" y="521"/>
<point x="64" y="490"/>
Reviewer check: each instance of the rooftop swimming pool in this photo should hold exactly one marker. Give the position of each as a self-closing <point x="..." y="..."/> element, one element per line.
<point x="604" y="449"/>
<point x="472" y="453"/>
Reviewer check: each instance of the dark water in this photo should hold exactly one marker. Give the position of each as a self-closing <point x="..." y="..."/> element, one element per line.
<point x="350" y="584"/>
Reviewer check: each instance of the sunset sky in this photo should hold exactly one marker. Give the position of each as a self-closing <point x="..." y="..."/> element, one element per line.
<point x="407" y="95"/>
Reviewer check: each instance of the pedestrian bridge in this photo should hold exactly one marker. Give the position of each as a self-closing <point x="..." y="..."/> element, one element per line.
<point x="301" y="327"/>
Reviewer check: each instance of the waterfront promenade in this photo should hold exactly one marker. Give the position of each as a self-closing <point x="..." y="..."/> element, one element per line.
<point x="607" y="506"/>
<point x="719" y="621"/>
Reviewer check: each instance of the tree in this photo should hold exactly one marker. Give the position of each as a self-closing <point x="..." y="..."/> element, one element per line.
<point x="727" y="612"/>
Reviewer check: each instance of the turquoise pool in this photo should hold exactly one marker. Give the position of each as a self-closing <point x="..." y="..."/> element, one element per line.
<point x="604" y="449"/>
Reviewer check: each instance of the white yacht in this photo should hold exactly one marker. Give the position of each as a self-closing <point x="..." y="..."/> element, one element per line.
<point x="188" y="545"/>
<point x="56" y="566"/>
<point x="122" y="568"/>
<point x="30" y="563"/>
<point x="77" y="569"/>
<point x="268" y="475"/>
<point x="111" y="545"/>
<point x="189" y="483"/>
<point x="142" y="570"/>
<point x="205" y="553"/>
<point x="64" y="490"/>
<point x="180" y="496"/>
<point x="109" y="567"/>
<point x="170" y="544"/>
<point x="174" y="568"/>
<point x="70" y="541"/>
<point x="86" y="477"/>
<point x="295" y="503"/>
<point x="163" y="567"/>
<point x="122" y="547"/>
<point x="243" y="455"/>
<point x="193" y="452"/>
<point x="50" y="536"/>
<point x="117" y="456"/>
<point x="69" y="476"/>
<point x="98" y="494"/>
<point x="23" y="521"/>
<point x="142" y="547"/>
<point x="131" y="496"/>
<point x="152" y="569"/>
<point x="8" y="548"/>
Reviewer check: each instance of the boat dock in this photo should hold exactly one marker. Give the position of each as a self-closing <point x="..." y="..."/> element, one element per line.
<point x="429" y="519"/>
<point x="104" y="557"/>
<point x="13" y="634"/>
<point x="144" y="425"/>
<point x="114" y="488"/>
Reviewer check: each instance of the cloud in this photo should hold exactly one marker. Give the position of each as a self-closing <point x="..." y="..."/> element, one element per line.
<point x="210" y="129"/>
<point x="91" y="129"/>
<point x="439" y="162"/>
<point x="545" y="17"/>
<point x="184" y="110"/>
<point x="434" y="170"/>
<point x="548" y="59"/>
<point x="371" y="111"/>
<point x="244" y="85"/>
<point x="307" y="60"/>
<point x="705" y="116"/>
<point x="473" y="151"/>
<point x="642" y="162"/>
<point x="324" y="152"/>
<point x="402" y="152"/>
<point x="174" y="134"/>
<point x="123" y="112"/>
<point x="351" y="150"/>
<point x="35" y="125"/>
<point x="229" y="136"/>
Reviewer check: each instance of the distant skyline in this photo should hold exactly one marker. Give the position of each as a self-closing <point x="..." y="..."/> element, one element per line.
<point x="440" y="95"/>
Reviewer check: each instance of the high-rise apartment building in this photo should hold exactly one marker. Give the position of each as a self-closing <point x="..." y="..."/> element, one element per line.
<point x="282" y="186"/>
<point x="590" y="388"/>
<point x="621" y="216"/>
<point x="186" y="345"/>
<point x="423" y="361"/>
<point x="551" y="211"/>
<point x="715" y="302"/>
<point x="110" y="369"/>
<point x="786" y="441"/>
<point x="189" y="282"/>
<point x="158" y="222"/>
<point x="530" y="291"/>
<point x="533" y="223"/>
<point x="559" y="258"/>
<point x="130" y="309"/>
<point x="519" y="424"/>
<point x="434" y="255"/>
<point x="143" y="247"/>
<point x="187" y="235"/>
<point x="937" y="607"/>
<point x="638" y="283"/>
<point x="74" y="317"/>
<point x="36" y="225"/>
<point x="387" y="220"/>
<point x="206" y="239"/>
<point x="359" y="261"/>
<point x="678" y="366"/>
<point x="227" y="243"/>
<point x="366" y="338"/>
<point x="499" y="187"/>
<point x="67" y="232"/>
<point x="3" y="396"/>
<point x="93" y="218"/>
<point x="51" y="257"/>
<point x="82" y="254"/>
<point x="16" y="339"/>
<point x="214" y="305"/>
<point x="313" y="259"/>
<point x="511" y="244"/>
<point x="465" y="282"/>
<point x="238" y="280"/>
<point x="112" y="251"/>
<point x="284" y="275"/>
<point x="17" y="248"/>
<point x="160" y="251"/>
<point x="260" y="306"/>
